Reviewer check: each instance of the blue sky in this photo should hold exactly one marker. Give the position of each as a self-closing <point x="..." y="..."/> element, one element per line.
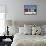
<point x="30" y="6"/>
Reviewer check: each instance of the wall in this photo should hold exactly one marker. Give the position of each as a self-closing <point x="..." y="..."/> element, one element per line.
<point x="15" y="9"/>
<point x="41" y="12"/>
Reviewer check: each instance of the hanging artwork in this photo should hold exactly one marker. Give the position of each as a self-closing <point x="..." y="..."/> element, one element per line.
<point x="30" y="9"/>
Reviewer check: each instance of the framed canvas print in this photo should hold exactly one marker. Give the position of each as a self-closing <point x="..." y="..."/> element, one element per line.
<point x="30" y="9"/>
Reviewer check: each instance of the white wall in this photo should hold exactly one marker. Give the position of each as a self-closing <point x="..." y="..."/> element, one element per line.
<point x="15" y="9"/>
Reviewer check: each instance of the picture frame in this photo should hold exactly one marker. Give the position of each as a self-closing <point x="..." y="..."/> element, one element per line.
<point x="30" y="9"/>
